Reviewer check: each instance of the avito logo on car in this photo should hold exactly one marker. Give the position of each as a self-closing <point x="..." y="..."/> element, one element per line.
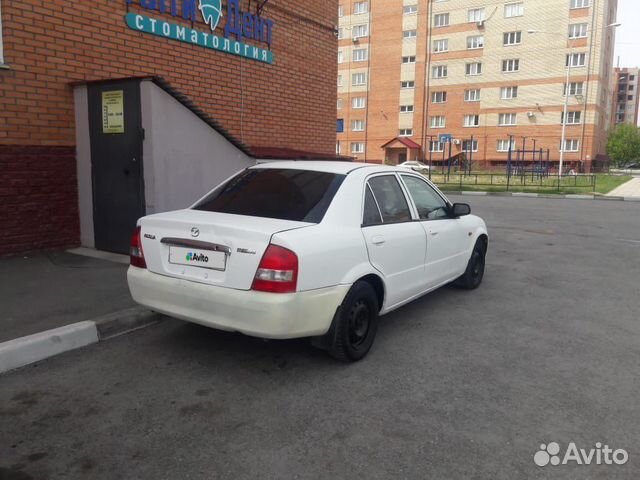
<point x="195" y="257"/>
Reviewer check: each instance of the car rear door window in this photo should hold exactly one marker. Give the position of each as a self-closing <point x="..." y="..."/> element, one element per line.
<point x="285" y="194"/>
<point x="429" y="204"/>
<point x="391" y="200"/>
<point x="371" y="215"/>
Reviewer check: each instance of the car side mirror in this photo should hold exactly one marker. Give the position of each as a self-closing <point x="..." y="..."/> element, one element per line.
<point x="460" y="210"/>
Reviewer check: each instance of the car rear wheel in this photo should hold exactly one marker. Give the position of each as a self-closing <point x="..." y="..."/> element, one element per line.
<point x="355" y="324"/>
<point x="473" y="275"/>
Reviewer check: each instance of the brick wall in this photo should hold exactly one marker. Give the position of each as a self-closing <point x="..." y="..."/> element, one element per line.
<point x="38" y="199"/>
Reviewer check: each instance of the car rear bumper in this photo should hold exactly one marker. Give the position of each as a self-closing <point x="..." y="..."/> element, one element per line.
<point x="260" y="314"/>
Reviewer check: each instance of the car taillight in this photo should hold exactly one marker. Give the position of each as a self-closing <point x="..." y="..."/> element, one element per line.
<point x="277" y="272"/>
<point x="136" y="255"/>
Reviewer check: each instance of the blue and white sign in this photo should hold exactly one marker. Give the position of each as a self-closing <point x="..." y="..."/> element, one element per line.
<point x="239" y="24"/>
<point x="445" y="138"/>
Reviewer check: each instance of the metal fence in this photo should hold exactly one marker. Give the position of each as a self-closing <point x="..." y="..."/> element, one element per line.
<point x="534" y="179"/>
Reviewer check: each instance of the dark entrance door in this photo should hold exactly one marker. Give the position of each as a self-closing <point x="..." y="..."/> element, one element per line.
<point x="115" y="127"/>
<point x="402" y="157"/>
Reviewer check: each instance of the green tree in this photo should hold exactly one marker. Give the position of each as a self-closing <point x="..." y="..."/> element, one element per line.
<point x="623" y="146"/>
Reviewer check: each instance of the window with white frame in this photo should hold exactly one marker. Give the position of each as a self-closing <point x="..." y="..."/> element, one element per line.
<point x="571" y="145"/>
<point x="475" y="41"/>
<point x="573" y="118"/>
<point x="439" y="71"/>
<point x="338" y="148"/>
<point x="409" y="59"/>
<point x="406" y="108"/>
<point x="472" y="95"/>
<point x="358" y="102"/>
<point x="358" y="79"/>
<point x="513" y="10"/>
<point x="580" y="3"/>
<point x="503" y="145"/>
<point x="507" y="119"/>
<point x="575" y="88"/>
<point x="409" y="34"/>
<point x="340" y="33"/>
<point x="438" y="97"/>
<point x="357" y="147"/>
<point x="441" y="45"/>
<point x="436" y="146"/>
<point x="508" y="93"/>
<point x="406" y="132"/>
<point x="339" y="80"/>
<point x="511" y="65"/>
<point x="475" y="15"/>
<point x="360" y="54"/>
<point x="512" y="38"/>
<point x="438" y="121"/>
<point x="339" y="104"/>
<point x="474" y="68"/>
<point x="470" y="145"/>
<point x="340" y="11"/>
<point x="357" y="125"/>
<point x="360" y="31"/>
<point x="472" y="120"/>
<point x="578" y="30"/>
<point x="407" y="84"/>
<point x="576" y="60"/>
<point x="409" y="9"/>
<point x="340" y="56"/>
<point x="360" y="7"/>
<point x="441" y="20"/>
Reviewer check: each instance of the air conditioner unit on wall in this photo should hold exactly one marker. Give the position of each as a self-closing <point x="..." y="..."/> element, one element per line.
<point x="455" y="141"/>
<point x="531" y="114"/>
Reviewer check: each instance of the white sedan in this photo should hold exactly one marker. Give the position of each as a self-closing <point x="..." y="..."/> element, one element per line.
<point x="306" y="249"/>
<point x="416" y="166"/>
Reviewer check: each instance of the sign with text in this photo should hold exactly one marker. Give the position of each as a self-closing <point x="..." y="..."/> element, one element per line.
<point x="113" y="112"/>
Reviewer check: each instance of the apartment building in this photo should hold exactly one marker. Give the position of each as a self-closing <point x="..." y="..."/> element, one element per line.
<point x="482" y="75"/>
<point x="626" y="100"/>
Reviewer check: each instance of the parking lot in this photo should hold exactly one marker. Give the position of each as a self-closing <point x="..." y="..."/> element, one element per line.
<point x="458" y="385"/>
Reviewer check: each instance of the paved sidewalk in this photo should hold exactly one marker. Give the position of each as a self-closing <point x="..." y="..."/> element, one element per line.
<point x="629" y="189"/>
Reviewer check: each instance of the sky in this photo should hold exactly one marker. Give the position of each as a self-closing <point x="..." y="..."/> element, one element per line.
<point x="628" y="35"/>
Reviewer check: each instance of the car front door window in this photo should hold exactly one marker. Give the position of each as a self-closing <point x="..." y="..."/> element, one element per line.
<point x="391" y="200"/>
<point x="429" y="204"/>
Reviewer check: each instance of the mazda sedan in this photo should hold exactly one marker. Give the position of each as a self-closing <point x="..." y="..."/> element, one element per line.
<point x="306" y="249"/>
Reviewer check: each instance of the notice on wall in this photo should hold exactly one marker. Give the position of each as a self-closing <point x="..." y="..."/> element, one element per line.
<point x="113" y="112"/>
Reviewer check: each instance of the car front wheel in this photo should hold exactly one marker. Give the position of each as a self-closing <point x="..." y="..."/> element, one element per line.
<point x="473" y="275"/>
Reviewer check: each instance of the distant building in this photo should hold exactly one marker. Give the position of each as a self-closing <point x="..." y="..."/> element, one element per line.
<point x="626" y="100"/>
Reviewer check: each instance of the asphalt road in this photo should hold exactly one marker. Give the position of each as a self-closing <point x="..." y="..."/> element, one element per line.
<point x="458" y="385"/>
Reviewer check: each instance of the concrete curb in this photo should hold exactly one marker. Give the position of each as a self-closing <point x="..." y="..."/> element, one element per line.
<point x="23" y="351"/>
<point x="542" y="195"/>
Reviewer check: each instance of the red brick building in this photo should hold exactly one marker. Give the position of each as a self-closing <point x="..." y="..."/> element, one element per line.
<point x="137" y="106"/>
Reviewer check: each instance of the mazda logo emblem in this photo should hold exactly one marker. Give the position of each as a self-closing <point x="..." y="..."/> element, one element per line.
<point x="195" y="232"/>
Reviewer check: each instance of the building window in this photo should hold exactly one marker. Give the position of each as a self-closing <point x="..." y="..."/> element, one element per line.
<point x="358" y="79"/>
<point x="360" y="7"/>
<point x="439" y="71"/>
<point x="474" y="68"/>
<point x="339" y="80"/>
<point x="338" y="148"/>
<point x="340" y="125"/>
<point x="571" y="145"/>
<point x="513" y="10"/>
<point x="340" y="11"/>
<point x="438" y="121"/>
<point x="339" y="104"/>
<point x="507" y="93"/>
<point x="503" y="145"/>
<point x="406" y="108"/>
<point x="360" y="54"/>
<point x="340" y="33"/>
<point x="512" y="38"/>
<point x="575" y="88"/>
<point x="475" y="15"/>
<point x="472" y="95"/>
<point x="441" y="45"/>
<point x="409" y="9"/>
<point x="360" y="31"/>
<point x="357" y="147"/>
<point x="475" y="41"/>
<point x="470" y="146"/>
<point x="340" y="56"/>
<point x="579" y="3"/>
<point x="409" y="34"/>
<point x="357" y="125"/>
<point x="507" y="119"/>
<point x="407" y="84"/>
<point x="406" y="132"/>
<point x="410" y="59"/>
<point x="578" y="30"/>
<point x="573" y="118"/>
<point x="576" y="60"/>
<point x="510" y="66"/>
<point x="438" y="97"/>
<point x="358" y="102"/>
<point x="436" y="146"/>
<point x="441" y="20"/>
<point x="472" y="120"/>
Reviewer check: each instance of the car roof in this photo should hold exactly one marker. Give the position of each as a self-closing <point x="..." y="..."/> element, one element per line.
<point x="337" y="167"/>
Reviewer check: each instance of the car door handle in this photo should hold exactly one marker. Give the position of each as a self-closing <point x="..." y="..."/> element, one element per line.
<point x="434" y="234"/>
<point x="378" y="240"/>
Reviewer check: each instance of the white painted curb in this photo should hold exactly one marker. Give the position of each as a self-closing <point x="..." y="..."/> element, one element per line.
<point x="33" y="348"/>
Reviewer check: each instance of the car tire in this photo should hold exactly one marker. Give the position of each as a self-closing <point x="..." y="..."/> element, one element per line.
<point x="473" y="275"/>
<point x="355" y="324"/>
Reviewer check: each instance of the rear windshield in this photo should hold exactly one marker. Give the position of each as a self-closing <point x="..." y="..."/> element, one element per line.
<point x="298" y="195"/>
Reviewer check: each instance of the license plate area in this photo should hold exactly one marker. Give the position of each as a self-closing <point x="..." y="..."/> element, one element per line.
<point x="198" y="257"/>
